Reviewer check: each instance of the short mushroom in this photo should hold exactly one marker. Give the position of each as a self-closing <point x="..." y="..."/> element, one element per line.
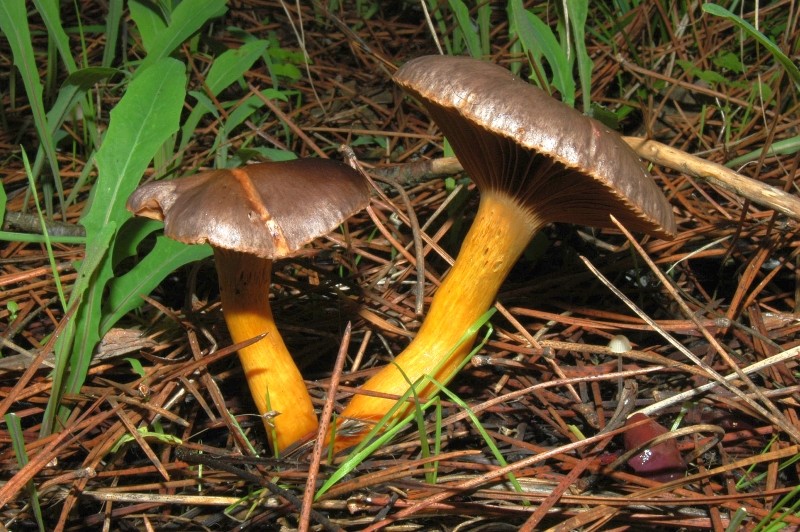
<point x="534" y="161"/>
<point x="250" y="216"/>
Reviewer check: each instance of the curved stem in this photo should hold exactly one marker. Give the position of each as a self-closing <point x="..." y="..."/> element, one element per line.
<point x="274" y="380"/>
<point x="496" y="239"/>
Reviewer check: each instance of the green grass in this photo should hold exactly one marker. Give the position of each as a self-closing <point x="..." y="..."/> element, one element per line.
<point x="147" y="129"/>
<point x="388" y="426"/>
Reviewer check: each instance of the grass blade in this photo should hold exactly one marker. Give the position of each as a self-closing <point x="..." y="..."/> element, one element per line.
<point x="49" y="11"/>
<point x="748" y="28"/>
<point x="43" y="224"/>
<point x="185" y="21"/>
<point x="465" y="27"/>
<point x="18" y="443"/>
<point x="538" y="40"/>
<point x="578" y="13"/>
<point x="14" y="25"/>
<point x="112" y="31"/>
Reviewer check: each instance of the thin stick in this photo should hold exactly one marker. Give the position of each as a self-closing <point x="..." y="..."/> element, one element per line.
<point x="324" y="423"/>
<point x="755" y="191"/>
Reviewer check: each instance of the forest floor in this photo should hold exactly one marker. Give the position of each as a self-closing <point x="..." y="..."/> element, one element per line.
<point x="160" y="433"/>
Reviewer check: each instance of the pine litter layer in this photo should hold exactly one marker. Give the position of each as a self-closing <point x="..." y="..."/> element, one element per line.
<point x="734" y="266"/>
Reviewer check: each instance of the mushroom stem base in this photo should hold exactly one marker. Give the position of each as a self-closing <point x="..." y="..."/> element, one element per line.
<point x="500" y="233"/>
<point x="272" y="376"/>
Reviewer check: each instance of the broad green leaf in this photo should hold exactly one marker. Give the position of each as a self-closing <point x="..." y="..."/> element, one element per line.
<point x="232" y="64"/>
<point x="286" y="70"/>
<point x="140" y="123"/>
<point x="148" y="20"/>
<point x="729" y="61"/>
<point x="80" y="325"/>
<point x="226" y="69"/>
<point x="71" y="92"/>
<point x="788" y="64"/>
<point x="242" y="156"/>
<point x="186" y="20"/>
<point x="251" y="105"/>
<point x="125" y="292"/>
<point x="130" y="236"/>
<point x="136" y="366"/>
<point x="235" y="118"/>
<point x="14" y="25"/>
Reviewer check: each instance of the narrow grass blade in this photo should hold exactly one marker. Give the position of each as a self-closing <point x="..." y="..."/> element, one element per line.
<point x="113" y="18"/>
<point x="781" y="147"/>
<point x="578" y="13"/>
<point x="49" y="11"/>
<point x="14" y="25"/>
<point x="43" y="225"/>
<point x="184" y="22"/>
<point x="481" y="430"/>
<point x="538" y="41"/>
<point x="748" y="28"/>
<point x="18" y="443"/>
<point x="387" y="427"/>
<point x="465" y="27"/>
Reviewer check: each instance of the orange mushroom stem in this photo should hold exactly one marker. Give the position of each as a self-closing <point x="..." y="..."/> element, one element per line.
<point x="499" y="234"/>
<point x="277" y="387"/>
<point x="535" y="161"/>
<point x="252" y="216"/>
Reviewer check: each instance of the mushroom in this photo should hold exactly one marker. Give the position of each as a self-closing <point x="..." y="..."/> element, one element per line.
<point x="251" y="216"/>
<point x="535" y="161"/>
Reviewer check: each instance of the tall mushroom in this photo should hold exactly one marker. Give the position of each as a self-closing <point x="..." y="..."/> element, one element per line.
<point x="250" y="216"/>
<point x="534" y="161"/>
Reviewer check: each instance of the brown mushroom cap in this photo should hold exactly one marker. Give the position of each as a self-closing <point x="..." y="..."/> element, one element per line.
<point x="512" y="137"/>
<point x="268" y="209"/>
